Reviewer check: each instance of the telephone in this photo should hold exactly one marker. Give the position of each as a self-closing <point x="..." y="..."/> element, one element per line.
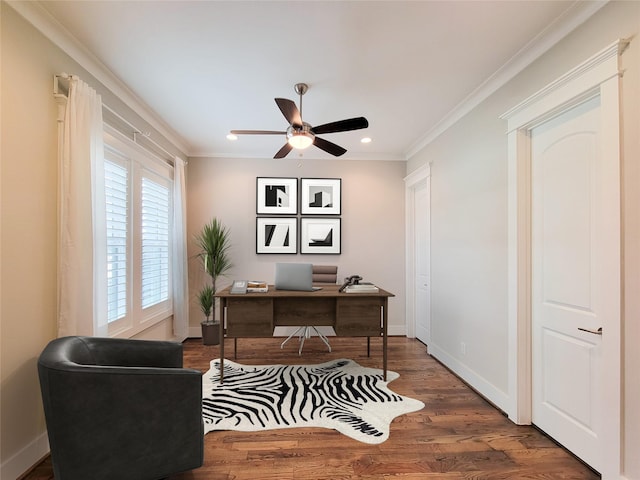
<point x="352" y="280"/>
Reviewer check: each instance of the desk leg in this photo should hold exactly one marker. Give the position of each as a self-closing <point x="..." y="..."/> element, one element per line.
<point x="368" y="346"/>
<point x="384" y="337"/>
<point x="223" y="303"/>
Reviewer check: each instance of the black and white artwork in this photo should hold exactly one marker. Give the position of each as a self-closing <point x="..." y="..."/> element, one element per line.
<point x="276" y="235"/>
<point x="320" y="196"/>
<point x="276" y="196"/>
<point x="320" y="235"/>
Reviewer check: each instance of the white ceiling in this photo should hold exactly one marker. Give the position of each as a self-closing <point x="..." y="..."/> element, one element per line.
<point x="206" y="67"/>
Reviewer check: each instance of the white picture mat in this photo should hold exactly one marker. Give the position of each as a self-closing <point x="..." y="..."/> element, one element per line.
<point x="290" y="207"/>
<point x="309" y="187"/>
<point x="290" y="224"/>
<point x="315" y="230"/>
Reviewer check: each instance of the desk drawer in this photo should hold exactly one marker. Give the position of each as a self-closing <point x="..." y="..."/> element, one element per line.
<point x="305" y="311"/>
<point x="359" y="317"/>
<point x="249" y="317"/>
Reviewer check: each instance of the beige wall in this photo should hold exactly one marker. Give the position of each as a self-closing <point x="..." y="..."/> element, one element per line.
<point x="372" y="220"/>
<point x="28" y="236"/>
<point x="631" y="247"/>
<point x="469" y="219"/>
<point x="28" y="230"/>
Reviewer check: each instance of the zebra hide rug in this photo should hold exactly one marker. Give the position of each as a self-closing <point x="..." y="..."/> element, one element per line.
<point x="340" y="394"/>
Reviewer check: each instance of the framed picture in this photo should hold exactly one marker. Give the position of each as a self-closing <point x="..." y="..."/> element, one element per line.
<point x="276" y="196"/>
<point x="320" y="196"/>
<point x="320" y="235"/>
<point x="276" y="235"/>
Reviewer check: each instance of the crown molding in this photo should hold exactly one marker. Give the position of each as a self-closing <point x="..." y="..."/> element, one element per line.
<point x="355" y="156"/>
<point x="41" y="19"/>
<point x="572" y="18"/>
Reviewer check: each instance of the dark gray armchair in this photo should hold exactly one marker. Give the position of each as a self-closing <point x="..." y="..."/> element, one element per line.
<point x="120" y="409"/>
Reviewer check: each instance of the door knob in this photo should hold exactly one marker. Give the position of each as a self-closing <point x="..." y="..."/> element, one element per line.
<point x="595" y="332"/>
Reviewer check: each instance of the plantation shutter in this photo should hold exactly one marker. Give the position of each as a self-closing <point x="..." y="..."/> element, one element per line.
<point x="156" y="210"/>
<point x="116" y="187"/>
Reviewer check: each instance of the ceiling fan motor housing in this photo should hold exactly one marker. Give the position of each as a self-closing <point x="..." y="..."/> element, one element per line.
<point x="304" y="130"/>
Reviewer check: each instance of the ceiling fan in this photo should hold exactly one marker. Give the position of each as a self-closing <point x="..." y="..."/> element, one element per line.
<point x="300" y="134"/>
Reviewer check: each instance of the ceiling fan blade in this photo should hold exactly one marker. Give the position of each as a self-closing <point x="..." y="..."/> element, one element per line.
<point x="329" y="147"/>
<point x="341" y="126"/>
<point x="257" y="132"/>
<point x="283" y="151"/>
<point x="290" y="111"/>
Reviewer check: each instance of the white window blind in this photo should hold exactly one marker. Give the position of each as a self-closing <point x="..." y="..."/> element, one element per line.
<point x="155" y="242"/>
<point x="116" y="186"/>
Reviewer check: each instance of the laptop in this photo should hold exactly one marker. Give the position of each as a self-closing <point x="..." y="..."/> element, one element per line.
<point x="295" y="276"/>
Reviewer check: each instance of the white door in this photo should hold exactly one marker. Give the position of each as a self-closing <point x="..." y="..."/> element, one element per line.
<point x="574" y="293"/>
<point x="422" y="283"/>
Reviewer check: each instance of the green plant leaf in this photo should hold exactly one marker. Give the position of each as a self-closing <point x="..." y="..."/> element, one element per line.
<point x="214" y="243"/>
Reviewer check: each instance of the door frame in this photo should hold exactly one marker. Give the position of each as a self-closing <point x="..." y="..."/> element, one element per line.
<point x="421" y="174"/>
<point x="598" y="76"/>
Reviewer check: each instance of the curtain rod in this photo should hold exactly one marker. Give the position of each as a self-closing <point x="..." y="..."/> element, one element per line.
<point x="136" y="131"/>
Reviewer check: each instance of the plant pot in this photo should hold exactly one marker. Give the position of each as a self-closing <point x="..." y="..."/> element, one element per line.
<point x="210" y="333"/>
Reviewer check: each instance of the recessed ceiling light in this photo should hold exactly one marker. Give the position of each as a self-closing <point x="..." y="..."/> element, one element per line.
<point x="231" y="136"/>
<point x="365" y="140"/>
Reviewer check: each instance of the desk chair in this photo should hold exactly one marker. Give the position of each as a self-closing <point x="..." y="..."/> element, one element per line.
<point x="321" y="274"/>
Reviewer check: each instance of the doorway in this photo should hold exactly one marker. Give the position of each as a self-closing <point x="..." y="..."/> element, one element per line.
<point x="418" y="195"/>
<point x="564" y="261"/>
<point x="572" y="302"/>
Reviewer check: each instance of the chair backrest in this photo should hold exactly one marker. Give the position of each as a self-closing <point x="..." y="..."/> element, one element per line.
<point x="325" y="274"/>
<point x="70" y="353"/>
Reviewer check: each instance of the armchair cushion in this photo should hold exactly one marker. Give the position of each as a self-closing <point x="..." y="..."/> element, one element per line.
<point x="119" y="408"/>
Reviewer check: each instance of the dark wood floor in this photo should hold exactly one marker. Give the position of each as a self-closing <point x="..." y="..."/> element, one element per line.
<point x="458" y="435"/>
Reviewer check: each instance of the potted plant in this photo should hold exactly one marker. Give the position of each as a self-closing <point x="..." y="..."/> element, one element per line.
<point x="214" y="243"/>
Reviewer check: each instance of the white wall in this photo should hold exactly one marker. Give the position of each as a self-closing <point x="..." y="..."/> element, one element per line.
<point x="372" y="220"/>
<point x="468" y="253"/>
<point x="469" y="221"/>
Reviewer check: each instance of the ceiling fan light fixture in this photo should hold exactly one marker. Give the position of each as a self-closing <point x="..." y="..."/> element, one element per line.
<point x="301" y="140"/>
<point x="300" y="137"/>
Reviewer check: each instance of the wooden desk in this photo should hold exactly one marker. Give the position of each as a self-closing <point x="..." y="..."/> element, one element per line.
<point x="257" y="314"/>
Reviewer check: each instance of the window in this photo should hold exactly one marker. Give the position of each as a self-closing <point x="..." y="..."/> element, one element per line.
<point x="138" y="190"/>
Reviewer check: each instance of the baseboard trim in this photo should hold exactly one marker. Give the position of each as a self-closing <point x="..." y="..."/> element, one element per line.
<point x="25" y="459"/>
